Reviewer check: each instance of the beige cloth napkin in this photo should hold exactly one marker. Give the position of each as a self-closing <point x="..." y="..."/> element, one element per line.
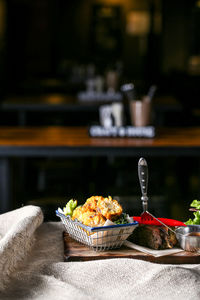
<point x="17" y="230"/>
<point x="32" y="267"/>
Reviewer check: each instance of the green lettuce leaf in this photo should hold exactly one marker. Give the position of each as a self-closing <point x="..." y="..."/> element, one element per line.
<point x="196" y="214"/>
<point x="195" y="204"/>
<point x="70" y="206"/>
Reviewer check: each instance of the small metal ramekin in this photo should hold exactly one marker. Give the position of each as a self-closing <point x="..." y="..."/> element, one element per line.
<point x="187" y="242"/>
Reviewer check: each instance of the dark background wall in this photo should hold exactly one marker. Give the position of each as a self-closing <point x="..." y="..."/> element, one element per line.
<point x="42" y="42"/>
<point x="45" y="38"/>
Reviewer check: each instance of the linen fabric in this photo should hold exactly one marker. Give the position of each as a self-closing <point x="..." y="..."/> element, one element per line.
<point x="32" y="267"/>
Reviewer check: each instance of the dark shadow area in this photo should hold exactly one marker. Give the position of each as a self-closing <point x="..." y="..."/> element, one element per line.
<point x="55" y="49"/>
<point x="173" y="184"/>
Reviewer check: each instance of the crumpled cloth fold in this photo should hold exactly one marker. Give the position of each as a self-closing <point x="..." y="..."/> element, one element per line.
<point x="32" y="267"/>
<point x="17" y="230"/>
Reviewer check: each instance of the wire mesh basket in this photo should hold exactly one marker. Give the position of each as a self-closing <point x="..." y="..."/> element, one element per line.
<point x="98" y="238"/>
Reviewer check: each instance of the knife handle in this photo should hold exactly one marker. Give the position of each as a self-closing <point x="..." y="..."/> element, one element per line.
<point x="143" y="178"/>
<point x="143" y="175"/>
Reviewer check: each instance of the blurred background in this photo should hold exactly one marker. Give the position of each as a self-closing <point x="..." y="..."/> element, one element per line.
<point x="52" y="50"/>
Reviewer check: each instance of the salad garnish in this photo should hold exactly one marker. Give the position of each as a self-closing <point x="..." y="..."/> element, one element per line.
<point x="70" y="206"/>
<point x="196" y="220"/>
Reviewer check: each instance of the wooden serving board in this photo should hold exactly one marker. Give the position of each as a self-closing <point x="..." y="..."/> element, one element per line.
<point x="74" y="251"/>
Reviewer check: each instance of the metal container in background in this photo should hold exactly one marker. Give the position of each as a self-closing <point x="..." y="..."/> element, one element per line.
<point x="140" y="112"/>
<point x="187" y="242"/>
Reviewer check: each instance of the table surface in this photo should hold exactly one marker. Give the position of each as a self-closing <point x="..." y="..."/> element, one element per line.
<point x="75" y="142"/>
<point x="74" y="251"/>
<point x="78" y="137"/>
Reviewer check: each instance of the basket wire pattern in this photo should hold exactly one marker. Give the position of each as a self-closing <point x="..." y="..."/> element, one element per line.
<point x="98" y="238"/>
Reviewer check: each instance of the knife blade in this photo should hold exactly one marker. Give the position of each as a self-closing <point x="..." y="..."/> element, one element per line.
<point x="168" y="222"/>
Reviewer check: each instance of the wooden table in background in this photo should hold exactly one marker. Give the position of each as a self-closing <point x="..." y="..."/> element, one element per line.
<point x="75" y="142"/>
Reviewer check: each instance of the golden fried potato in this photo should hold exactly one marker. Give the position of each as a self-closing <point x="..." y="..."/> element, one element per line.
<point x="109" y="208"/>
<point x="93" y="219"/>
<point x="88" y="217"/>
<point x="96" y="210"/>
<point x="77" y="213"/>
<point x="91" y="203"/>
